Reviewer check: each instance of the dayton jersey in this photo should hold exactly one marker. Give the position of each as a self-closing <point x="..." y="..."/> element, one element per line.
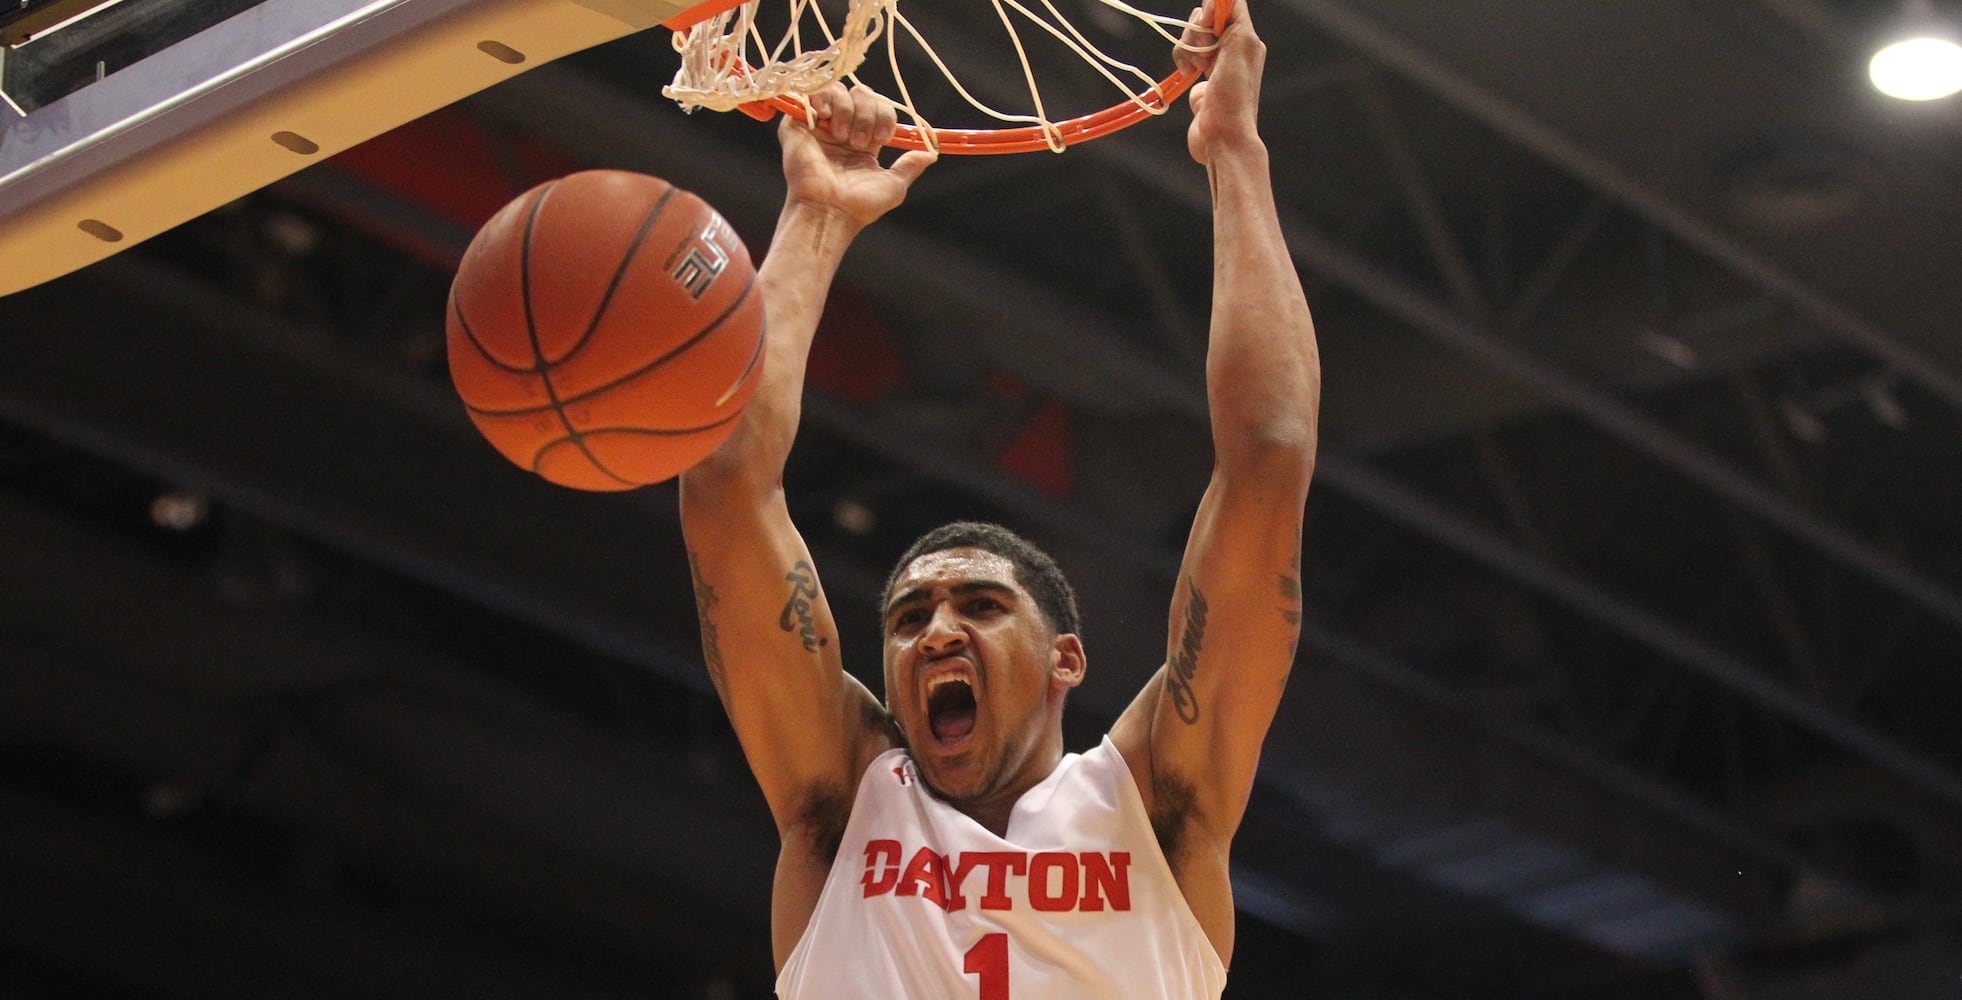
<point x="1075" y="903"/>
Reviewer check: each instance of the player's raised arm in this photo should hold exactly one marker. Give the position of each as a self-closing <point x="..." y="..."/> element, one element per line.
<point x="1235" y="615"/>
<point x="807" y="728"/>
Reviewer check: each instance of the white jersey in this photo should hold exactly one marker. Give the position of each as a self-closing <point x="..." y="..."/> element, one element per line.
<point x="1075" y="903"/>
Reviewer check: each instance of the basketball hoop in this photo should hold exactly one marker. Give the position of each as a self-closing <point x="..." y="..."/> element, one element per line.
<point x="207" y="104"/>
<point x="716" y="72"/>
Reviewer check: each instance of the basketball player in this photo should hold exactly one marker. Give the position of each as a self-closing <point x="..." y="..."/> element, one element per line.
<point x="941" y="844"/>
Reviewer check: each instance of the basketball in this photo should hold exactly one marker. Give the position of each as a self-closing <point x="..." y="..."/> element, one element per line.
<point x="603" y="330"/>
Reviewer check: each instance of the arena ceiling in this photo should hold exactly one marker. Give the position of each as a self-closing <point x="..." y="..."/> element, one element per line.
<point x="1634" y="583"/>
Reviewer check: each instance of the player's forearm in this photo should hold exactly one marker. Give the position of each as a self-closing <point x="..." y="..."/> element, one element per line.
<point x="1263" y="369"/>
<point x="794" y="281"/>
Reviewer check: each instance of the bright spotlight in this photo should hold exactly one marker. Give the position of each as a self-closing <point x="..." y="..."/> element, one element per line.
<point x="1918" y="69"/>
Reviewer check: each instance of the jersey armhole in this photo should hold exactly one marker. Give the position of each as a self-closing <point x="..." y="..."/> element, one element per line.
<point x="1134" y="803"/>
<point x="795" y="960"/>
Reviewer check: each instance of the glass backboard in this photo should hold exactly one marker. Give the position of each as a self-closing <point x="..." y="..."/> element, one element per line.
<point x="124" y="118"/>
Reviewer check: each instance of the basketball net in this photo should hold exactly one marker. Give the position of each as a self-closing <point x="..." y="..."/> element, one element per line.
<point x="716" y="72"/>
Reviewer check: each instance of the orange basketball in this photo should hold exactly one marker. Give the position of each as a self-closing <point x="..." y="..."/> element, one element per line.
<point x="603" y="330"/>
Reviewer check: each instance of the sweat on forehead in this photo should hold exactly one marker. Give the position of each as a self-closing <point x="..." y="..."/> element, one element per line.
<point x="1034" y="570"/>
<point x="910" y="590"/>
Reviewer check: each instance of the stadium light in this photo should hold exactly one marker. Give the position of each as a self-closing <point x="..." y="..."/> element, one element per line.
<point x="1921" y="60"/>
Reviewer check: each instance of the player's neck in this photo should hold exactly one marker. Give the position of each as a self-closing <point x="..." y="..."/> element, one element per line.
<point x="993" y="811"/>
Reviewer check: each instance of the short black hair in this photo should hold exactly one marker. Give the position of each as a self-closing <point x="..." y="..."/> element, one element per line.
<point x="1034" y="569"/>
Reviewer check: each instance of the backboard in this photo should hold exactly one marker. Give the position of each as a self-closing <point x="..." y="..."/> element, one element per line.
<point x="124" y="119"/>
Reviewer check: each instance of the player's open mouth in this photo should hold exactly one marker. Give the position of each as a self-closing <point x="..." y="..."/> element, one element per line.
<point x="950" y="707"/>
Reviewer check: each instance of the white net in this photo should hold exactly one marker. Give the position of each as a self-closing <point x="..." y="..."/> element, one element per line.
<point x="727" y="62"/>
<point x="716" y="72"/>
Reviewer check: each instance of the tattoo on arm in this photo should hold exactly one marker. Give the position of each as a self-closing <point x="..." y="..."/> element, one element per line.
<point x="797" y="614"/>
<point x="1291" y="599"/>
<point x="1291" y="588"/>
<point x="1185" y="662"/>
<point x="705" y="599"/>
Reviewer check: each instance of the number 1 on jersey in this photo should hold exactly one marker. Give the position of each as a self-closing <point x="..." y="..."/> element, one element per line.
<point x="989" y="960"/>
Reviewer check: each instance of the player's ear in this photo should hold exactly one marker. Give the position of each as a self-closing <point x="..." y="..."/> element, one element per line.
<point x="1067" y="661"/>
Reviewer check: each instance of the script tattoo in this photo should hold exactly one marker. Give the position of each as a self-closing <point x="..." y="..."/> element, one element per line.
<point x="797" y="615"/>
<point x="1185" y="662"/>
<point x="711" y="642"/>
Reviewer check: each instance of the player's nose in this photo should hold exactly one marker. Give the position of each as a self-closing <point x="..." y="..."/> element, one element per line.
<point x="944" y="632"/>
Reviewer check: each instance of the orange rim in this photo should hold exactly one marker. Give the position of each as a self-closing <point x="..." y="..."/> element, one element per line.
<point x="1035" y="138"/>
<point x="699" y="13"/>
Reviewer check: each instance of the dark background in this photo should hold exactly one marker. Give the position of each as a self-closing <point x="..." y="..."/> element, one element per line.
<point x="1632" y="566"/>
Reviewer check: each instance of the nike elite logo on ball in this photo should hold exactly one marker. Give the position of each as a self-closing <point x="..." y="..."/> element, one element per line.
<point x="702" y="261"/>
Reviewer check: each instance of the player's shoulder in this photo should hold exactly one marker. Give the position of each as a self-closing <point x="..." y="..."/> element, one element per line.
<point x="1170" y="796"/>
<point x="824" y="808"/>
<point x="875" y="732"/>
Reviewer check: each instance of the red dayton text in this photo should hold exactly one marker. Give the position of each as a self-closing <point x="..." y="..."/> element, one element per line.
<point x="1047" y="880"/>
